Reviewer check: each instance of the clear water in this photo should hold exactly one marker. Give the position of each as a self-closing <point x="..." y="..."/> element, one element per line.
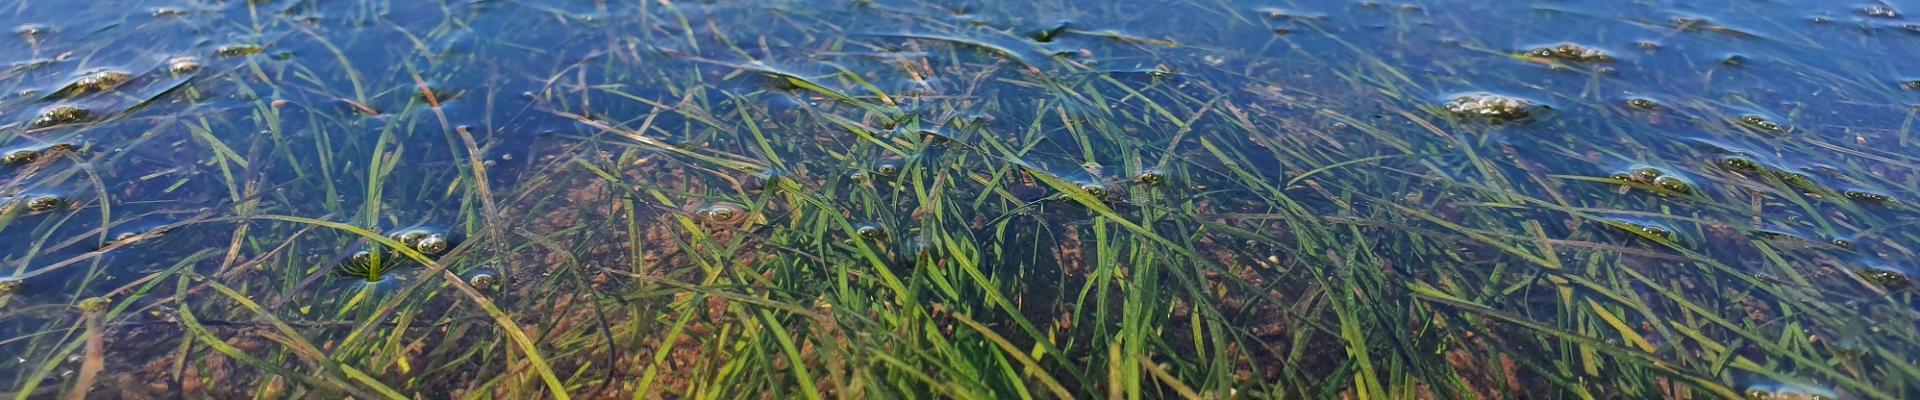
<point x="1438" y="199"/>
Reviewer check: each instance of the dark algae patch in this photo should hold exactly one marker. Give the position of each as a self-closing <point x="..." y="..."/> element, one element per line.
<point x="986" y="199"/>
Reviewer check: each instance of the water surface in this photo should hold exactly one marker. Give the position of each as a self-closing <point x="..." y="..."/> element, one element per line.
<point x="976" y="199"/>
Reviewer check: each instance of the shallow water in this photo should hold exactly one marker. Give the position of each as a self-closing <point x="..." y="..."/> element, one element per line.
<point x="1431" y="199"/>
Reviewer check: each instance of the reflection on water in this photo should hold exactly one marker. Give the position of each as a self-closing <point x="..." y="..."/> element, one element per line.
<point x="1062" y="198"/>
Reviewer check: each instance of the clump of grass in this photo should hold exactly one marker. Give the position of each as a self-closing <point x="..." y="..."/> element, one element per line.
<point x="637" y="202"/>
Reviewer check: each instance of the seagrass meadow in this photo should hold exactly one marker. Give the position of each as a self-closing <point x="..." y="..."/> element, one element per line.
<point x="975" y="199"/>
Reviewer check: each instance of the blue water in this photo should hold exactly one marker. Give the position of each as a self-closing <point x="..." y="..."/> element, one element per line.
<point x="1764" y="150"/>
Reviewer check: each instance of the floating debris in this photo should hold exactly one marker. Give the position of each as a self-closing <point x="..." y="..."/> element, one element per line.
<point x="1490" y="106"/>
<point x="31" y="64"/>
<point x="19" y="156"/>
<point x="1885" y="277"/>
<point x="1673" y="184"/>
<point x="889" y="167"/>
<point x="1761" y="123"/>
<point x="1842" y="243"/>
<point x="1784" y="238"/>
<point x="1691" y="23"/>
<point x="1642" y="103"/>
<point x="1880" y="11"/>
<point x="103" y="79"/>
<point x="426" y="241"/>
<point x="60" y="114"/>
<point x="1643" y="174"/>
<point x="236" y="50"/>
<point x="94" y="304"/>
<point x="870" y="231"/>
<point x="1645" y="230"/>
<point x="1787" y="239"/>
<point x="1095" y="189"/>
<point x="1740" y="164"/>
<point x="1048" y="34"/>
<point x="45" y="202"/>
<point x="183" y="65"/>
<point x="162" y="12"/>
<point x="724" y="213"/>
<point x="25" y="155"/>
<point x="1571" y="52"/>
<point x="1796" y="180"/>
<point x="31" y="31"/>
<point x="1285" y="14"/>
<point x="365" y="265"/>
<point x="1662" y="181"/>
<point x="1735" y="60"/>
<point x="432" y="245"/>
<point x="99" y="80"/>
<point x="1866" y="196"/>
<point x="11" y="286"/>
<point x="1151" y="177"/>
<point x="409" y="236"/>
<point x="484" y="279"/>
<point x="129" y="237"/>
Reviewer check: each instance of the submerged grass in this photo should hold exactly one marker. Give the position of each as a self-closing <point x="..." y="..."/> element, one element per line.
<point x="678" y="210"/>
